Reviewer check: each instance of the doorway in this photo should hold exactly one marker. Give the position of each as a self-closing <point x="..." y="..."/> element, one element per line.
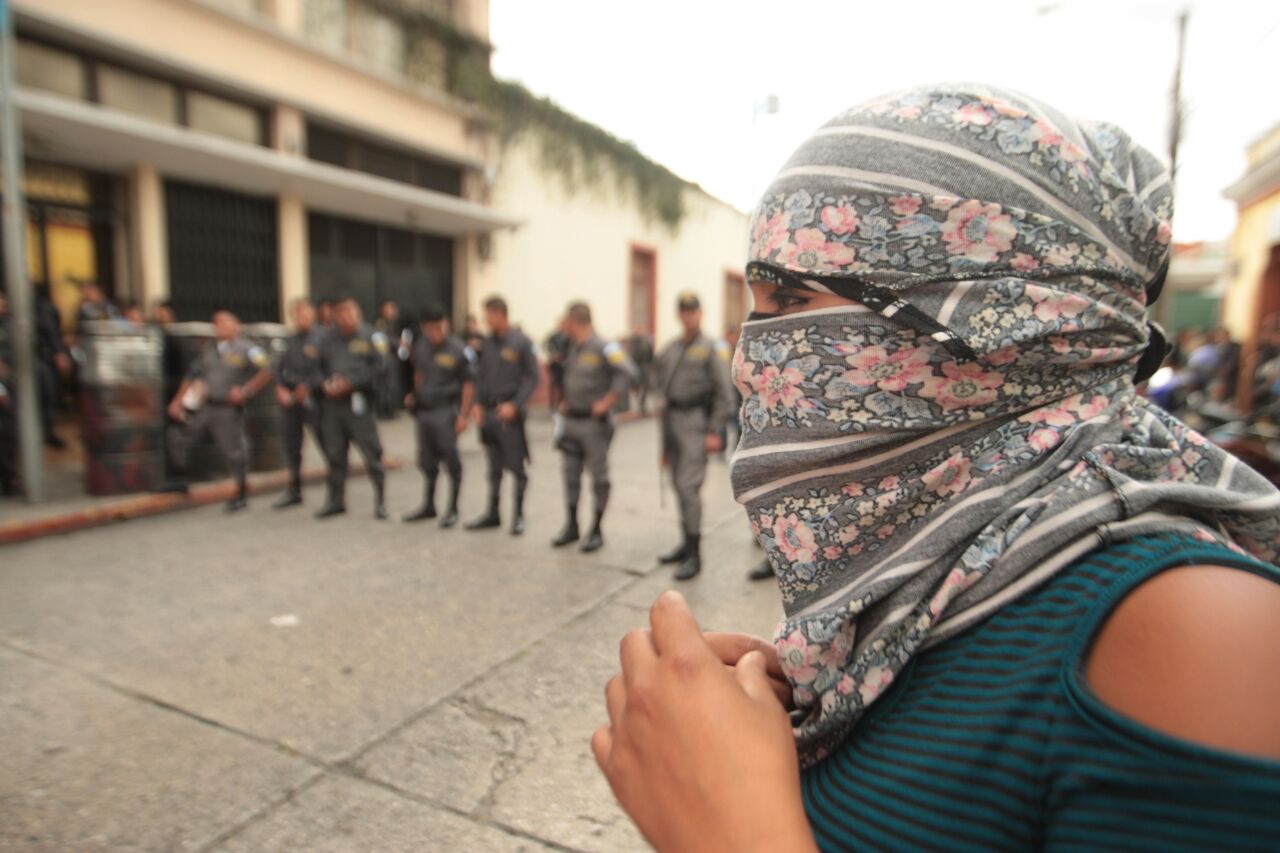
<point x="642" y="293"/>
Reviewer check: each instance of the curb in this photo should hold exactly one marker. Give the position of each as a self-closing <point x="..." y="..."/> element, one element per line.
<point x="147" y="505"/>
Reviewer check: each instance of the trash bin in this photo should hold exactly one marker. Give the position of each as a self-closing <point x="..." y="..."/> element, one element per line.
<point x="122" y="407"/>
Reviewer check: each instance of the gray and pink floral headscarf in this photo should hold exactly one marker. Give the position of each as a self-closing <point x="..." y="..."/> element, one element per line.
<point x="915" y="461"/>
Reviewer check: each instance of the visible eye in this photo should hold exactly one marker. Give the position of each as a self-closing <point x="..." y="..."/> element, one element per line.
<point x="786" y="300"/>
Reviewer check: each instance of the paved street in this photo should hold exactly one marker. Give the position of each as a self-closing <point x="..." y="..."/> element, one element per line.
<point x="269" y="682"/>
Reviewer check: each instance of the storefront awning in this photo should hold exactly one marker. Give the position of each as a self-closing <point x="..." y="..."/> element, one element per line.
<point x="93" y="137"/>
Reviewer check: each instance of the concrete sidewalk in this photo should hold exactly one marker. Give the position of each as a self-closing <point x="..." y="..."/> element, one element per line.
<point x="268" y="682"/>
<point x="70" y="509"/>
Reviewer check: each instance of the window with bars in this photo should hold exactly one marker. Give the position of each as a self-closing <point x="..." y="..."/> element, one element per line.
<point x="373" y="263"/>
<point x="222" y="253"/>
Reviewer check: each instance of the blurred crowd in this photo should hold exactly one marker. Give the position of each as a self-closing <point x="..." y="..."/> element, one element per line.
<point x="1215" y="385"/>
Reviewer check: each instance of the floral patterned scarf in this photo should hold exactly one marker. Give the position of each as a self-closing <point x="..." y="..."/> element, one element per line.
<point x="915" y="461"/>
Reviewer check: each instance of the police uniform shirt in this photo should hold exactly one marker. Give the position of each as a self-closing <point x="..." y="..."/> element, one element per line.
<point x="696" y="375"/>
<point x="440" y="372"/>
<point x="593" y="369"/>
<point x="507" y="370"/>
<point x="357" y="358"/>
<point x="300" y="362"/>
<point x="224" y="365"/>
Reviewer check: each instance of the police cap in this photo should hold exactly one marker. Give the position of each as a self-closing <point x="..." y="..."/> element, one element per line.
<point x="432" y="313"/>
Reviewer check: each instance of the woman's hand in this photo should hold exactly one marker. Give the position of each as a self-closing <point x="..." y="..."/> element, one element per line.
<point x="700" y="754"/>
<point x="731" y="648"/>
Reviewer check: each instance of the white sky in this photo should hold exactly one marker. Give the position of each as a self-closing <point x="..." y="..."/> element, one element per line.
<point x="681" y="78"/>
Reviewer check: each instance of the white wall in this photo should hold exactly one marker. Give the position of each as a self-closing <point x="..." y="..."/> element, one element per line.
<point x="577" y="245"/>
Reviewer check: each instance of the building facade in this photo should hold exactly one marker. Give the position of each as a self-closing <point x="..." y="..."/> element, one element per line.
<point x="1192" y="296"/>
<point x="594" y="242"/>
<point x="239" y="153"/>
<point x="1252" y="299"/>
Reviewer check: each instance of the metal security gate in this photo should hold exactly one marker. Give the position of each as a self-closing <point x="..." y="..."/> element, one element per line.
<point x="222" y="253"/>
<point x="374" y="263"/>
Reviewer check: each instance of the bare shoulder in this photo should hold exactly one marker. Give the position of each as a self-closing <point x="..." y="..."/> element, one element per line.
<point x="1194" y="652"/>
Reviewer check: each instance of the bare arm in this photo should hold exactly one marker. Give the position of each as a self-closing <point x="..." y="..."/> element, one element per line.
<point x="1195" y="653"/>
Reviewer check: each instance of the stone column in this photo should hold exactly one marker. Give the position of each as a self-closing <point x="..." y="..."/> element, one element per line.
<point x="293" y="250"/>
<point x="288" y="137"/>
<point x="150" y="240"/>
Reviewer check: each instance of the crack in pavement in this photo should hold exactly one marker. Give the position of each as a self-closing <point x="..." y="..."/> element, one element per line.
<point x="509" y="732"/>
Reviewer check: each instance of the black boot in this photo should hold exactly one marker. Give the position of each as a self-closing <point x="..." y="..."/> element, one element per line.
<point x="763" y="571"/>
<point x="692" y="563"/>
<point x="291" y="497"/>
<point x="451" y="514"/>
<point x="570" y="532"/>
<point x="333" y="504"/>
<point x="428" y="508"/>
<point x="379" y="501"/>
<point x="490" y="519"/>
<point x="517" y="523"/>
<point x="595" y="539"/>
<point x="241" y="500"/>
<point x="676" y="556"/>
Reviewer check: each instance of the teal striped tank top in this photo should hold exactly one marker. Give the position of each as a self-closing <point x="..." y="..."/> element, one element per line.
<point x="992" y="741"/>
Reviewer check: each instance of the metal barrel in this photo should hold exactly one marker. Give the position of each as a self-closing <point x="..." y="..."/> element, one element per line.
<point x="122" y="407"/>
<point x="184" y="343"/>
<point x="262" y="413"/>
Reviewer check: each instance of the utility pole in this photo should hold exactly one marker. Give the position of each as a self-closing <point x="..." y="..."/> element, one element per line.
<point x="1175" y="111"/>
<point x="21" y="304"/>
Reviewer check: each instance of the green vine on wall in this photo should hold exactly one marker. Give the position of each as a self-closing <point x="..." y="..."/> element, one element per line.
<point x="581" y="154"/>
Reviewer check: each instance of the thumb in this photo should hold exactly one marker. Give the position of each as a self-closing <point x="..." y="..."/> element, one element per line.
<point x="754" y="678"/>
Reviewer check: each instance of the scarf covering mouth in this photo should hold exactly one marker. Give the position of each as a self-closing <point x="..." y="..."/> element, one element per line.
<point x="913" y="462"/>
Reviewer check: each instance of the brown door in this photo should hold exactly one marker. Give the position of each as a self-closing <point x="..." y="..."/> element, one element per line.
<point x="642" y="313"/>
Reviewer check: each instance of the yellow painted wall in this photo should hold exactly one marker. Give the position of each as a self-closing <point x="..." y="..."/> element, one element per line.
<point x="578" y="246"/>
<point x="267" y="60"/>
<point x="1250" y="249"/>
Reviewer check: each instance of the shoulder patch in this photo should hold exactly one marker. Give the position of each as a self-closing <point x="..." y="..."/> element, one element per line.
<point x="723" y="350"/>
<point x="379" y="341"/>
<point x="258" y="356"/>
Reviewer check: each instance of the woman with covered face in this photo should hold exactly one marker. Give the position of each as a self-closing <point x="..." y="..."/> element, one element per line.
<point x="1023" y="606"/>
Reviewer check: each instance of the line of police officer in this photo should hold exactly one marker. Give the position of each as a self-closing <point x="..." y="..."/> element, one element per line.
<point x="327" y="380"/>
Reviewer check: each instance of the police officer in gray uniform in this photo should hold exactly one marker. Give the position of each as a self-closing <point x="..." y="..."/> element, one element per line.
<point x="298" y="385"/>
<point x="506" y="377"/>
<point x="443" y="391"/>
<point x="597" y="374"/>
<point x="693" y="378"/>
<point x="211" y="398"/>
<point x="351" y="357"/>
